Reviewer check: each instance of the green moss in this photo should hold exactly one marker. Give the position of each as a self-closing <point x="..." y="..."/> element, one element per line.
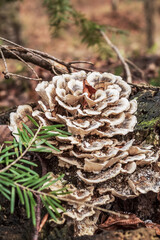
<point x="148" y="124"/>
<point x="146" y="131"/>
<point x="155" y="81"/>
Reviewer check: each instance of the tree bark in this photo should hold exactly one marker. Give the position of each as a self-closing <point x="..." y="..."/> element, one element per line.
<point x="148" y="115"/>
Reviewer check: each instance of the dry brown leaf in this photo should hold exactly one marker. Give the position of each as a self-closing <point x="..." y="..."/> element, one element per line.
<point x="154" y="226"/>
<point x="5" y="134"/>
<point x="88" y="89"/>
<point x="114" y="222"/>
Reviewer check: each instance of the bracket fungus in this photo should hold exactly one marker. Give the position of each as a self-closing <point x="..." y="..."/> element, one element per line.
<point x="96" y="110"/>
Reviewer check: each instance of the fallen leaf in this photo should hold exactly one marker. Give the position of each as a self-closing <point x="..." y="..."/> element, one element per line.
<point x="154" y="226"/>
<point x="114" y="222"/>
<point x="5" y="134"/>
<point x="89" y="90"/>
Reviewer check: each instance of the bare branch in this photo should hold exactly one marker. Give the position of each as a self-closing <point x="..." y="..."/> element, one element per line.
<point x="29" y="66"/>
<point x="38" y="58"/>
<point x="145" y="87"/>
<point x="75" y="62"/>
<point x="135" y="66"/>
<point x="20" y="76"/>
<point x="126" y="67"/>
<point x="27" y="57"/>
<point x="81" y="68"/>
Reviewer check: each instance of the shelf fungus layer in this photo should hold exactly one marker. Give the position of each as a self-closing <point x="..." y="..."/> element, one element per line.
<point x="91" y="103"/>
<point x="96" y="110"/>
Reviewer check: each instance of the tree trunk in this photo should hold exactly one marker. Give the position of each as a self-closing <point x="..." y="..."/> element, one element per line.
<point x="10" y="26"/>
<point x="148" y="116"/>
<point x="149" y="10"/>
<point x="114" y="5"/>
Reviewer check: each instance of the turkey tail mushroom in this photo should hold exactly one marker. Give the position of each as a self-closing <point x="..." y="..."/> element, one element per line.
<point x="96" y="110"/>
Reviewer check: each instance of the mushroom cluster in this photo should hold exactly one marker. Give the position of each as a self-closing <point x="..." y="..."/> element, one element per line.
<point x="96" y="110"/>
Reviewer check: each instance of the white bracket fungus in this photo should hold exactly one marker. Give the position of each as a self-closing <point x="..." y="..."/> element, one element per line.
<point x="95" y="109"/>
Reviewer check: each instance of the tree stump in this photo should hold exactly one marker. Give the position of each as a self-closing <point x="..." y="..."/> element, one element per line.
<point x="147" y="129"/>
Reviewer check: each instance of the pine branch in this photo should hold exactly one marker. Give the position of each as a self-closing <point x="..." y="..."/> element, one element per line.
<point x="25" y="151"/>
<point x="62" y="14"/>
<point x="17" y="177"/>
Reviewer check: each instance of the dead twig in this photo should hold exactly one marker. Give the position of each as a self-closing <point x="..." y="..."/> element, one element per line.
<point x="94" y="207"/>
<point x="67" y="65"/>
<point x="136" y="67"/>
<point x="144" y="87"/>
<point x="42" y="54"/>
<point x="28" y="65"/>
<point x="39" y="58"/>
<point x="85" y="69"/>
<point x="39" y="224"/>
<point x="75" y="62"/>
<point x="38" y="219"/>
<point x="126" y="67"/>
<point x="20" y="76"/>
<point x="28" y="57"/>
<point x="6" y="73"/>
<point x="19" y="46"/>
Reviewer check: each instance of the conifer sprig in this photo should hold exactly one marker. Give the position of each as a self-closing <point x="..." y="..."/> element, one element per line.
<point x="62" y="15"/>
<point x="18" y="176"/>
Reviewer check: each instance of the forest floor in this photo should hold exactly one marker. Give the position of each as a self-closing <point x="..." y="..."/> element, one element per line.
<point x="129" y="17"/>
<point x="36" y="34"/>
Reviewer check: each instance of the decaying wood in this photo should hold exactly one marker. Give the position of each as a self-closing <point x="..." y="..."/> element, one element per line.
<point x="148" y="115"/>
<point x="139" y="234"/>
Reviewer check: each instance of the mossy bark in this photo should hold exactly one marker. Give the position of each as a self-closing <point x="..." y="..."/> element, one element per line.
<point x="148" y="116"/>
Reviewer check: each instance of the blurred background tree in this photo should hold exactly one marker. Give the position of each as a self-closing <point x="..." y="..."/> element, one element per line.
<point x="63" y="13"/>
<point x="149" y="12"/>
<point x="114" y="5"/>
<point x="10" y="26"/>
